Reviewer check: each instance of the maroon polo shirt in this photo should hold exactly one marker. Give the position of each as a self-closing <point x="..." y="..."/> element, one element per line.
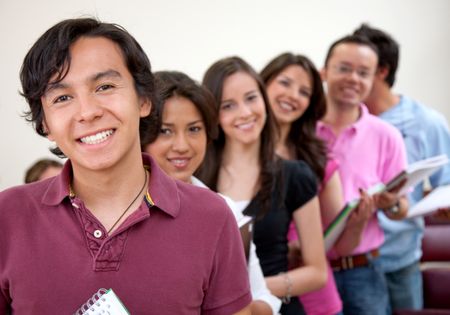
<point x="181" y="255"/>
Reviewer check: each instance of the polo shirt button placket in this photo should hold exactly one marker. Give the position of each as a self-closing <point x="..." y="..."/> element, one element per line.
<point x="98" y="233"/>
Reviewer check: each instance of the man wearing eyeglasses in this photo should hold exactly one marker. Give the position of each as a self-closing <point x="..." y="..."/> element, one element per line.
<point x="426" y="134"/>
<point x="369" y="151"/>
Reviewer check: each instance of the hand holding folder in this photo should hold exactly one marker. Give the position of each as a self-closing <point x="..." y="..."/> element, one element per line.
<point x="416" y="173"/>
<point x="400" y="185"/>
<point x="336" y="227"/>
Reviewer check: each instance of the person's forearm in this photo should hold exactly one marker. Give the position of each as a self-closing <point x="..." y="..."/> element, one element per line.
<point x="298" y="281"/>
<point x="245" y="311"/>
<point x="260" y="308"/>
<point x="349" y="239"/>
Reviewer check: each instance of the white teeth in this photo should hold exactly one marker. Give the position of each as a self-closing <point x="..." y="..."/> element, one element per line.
<point x="179" y="162"/>
<point x="246" y="126"/>
<point x="286" y="106"/>
<point x="349" y="90"/>
<point x="97" y="138"/>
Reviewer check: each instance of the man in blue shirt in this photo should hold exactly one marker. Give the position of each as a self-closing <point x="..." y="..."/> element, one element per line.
<point x="426" y="134"/>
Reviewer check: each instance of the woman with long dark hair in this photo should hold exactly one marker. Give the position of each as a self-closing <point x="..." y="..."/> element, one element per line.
<point x="297" y="98"/>
<point x="241" y="164"/>
<point x="186" y="122"/>
<point x="296" y="95"/>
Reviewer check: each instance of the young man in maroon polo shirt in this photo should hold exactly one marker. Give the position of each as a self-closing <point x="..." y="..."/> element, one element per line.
<point x="112" y="218"/>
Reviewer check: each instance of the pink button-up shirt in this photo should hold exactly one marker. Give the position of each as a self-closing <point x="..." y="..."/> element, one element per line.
<point x="369" y="151"/>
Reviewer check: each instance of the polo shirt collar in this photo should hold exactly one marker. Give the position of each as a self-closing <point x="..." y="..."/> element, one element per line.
<point x="355" y="127"/>
<point x="163" y="189"/>
<point x="59" y="187"/>
<point x="361" y="122"/>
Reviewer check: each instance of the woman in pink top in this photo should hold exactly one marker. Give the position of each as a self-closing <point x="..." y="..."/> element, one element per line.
<point x="298" y="101"/>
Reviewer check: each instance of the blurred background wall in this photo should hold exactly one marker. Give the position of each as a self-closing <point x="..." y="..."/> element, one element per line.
<point x="190" y="35"/>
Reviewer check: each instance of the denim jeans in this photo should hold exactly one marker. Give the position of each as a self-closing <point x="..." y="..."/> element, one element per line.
<point x="405" y="288"/>
<point x="363" y="290"/>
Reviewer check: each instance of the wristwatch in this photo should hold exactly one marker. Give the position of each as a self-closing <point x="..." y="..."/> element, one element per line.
<point x="395" y="208"/>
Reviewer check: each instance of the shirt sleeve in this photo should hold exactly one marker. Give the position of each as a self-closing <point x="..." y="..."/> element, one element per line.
<point x="395" y="160"/>
<point x="300" y="184"/>
<point x="438" y="140"/>
<point x="331" y="167"/>
<point x="5" y="298"/>
<point x="258" y="285"/>
<point x="228" y="289"/>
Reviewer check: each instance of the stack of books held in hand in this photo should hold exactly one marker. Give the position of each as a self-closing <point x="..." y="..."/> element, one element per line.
<point x="402" y="183"/>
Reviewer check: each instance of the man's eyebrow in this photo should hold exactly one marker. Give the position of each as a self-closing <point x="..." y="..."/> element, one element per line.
<point x="54" y="86"/>
<point x="105" y="74"/>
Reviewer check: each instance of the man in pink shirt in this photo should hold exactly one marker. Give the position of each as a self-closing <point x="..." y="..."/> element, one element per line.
<point x="369" y="152"/>
<point x="112" y="218"/>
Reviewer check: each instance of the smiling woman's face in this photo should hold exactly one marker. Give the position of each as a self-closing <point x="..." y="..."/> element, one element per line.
<point x="289" y="94"/>
<point x="242" y="112"/>
<point x="181" y="144"/>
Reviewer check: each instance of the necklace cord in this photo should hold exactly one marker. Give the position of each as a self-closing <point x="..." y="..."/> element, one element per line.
<point x="129" y="206"/>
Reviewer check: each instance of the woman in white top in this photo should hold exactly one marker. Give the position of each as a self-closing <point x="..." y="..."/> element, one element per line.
<point x="186" y="121"/>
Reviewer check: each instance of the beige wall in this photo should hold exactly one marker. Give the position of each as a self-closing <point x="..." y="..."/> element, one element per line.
<point x="190" y="35"/>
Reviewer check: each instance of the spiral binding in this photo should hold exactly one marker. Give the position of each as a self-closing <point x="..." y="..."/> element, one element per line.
<point x="93" y="301"/>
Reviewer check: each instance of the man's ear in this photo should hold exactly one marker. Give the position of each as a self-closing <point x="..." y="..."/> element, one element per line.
<point x="145" y="107"/>
<point x="382" y="73"/>
<point x="46" y="130"/>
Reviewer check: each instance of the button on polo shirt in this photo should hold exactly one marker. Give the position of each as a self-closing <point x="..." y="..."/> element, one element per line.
<point x="107" y="250"/>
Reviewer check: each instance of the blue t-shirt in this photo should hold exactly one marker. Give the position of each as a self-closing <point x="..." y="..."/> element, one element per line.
<point x="426" y="134"/>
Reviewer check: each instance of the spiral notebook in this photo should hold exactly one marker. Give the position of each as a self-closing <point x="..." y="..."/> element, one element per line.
<point x="103" y="302"/>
